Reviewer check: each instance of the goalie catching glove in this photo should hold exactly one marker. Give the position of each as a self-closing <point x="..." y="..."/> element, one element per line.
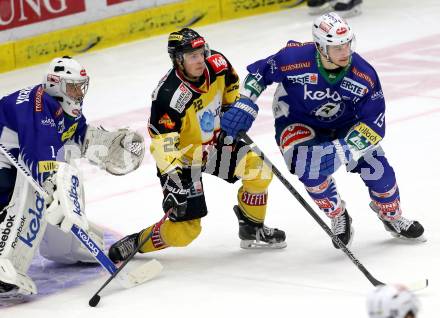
<point x="118" y="152"/>
<point x="67" y="191"/>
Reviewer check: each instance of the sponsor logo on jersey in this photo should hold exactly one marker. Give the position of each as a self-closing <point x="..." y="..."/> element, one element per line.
<point x="92" y="247"/>
<point x="159" y="85"/>
<point x="48" y="122"/>
<point x="69" y="133"/>
<point x="166" y="121"/>
<point x="35" y="223"/>
<point x="180" y="98"/>
<point x="363" y="76"/>
<point x="59" y="112"/>
<point x="273" y="65"/>
<point x="320" y="95"/>
<point x="329" y="111"/>
<point x="296" y="66"/>
<point x="218" y="62"/>
<point x="297" y="44"/>
<point x="5" y="231"/>
<point x="354" y="87"/>
<point x="47" y="166"/>
<point x="306" y="78"/>
<point x="23" y="95"/>
<point x="60" y="126"/>
<point x="207" y="121"/>
<point x="251" y="83"/>
<point x="254" y="199"/>
<point x="295" y="134"/>
<point x="377" y="95"/>
<point x="368" y="133"/>
<point x="73" y="195"/>
<point x="38" y="100"/>
<point x="196" y="189"/>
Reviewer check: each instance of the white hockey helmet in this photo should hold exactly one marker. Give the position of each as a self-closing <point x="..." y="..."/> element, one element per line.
<point x="389" y="301"/>
<point x="67" y="81"/>
<point x="331" y="29"/>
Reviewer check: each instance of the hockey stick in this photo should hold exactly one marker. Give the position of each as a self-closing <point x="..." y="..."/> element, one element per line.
<point x="413" y="286"/>
<point x="93" y="302"/>
<point x="130" y="279"/>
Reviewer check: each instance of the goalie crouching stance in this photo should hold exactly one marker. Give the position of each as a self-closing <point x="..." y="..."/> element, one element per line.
<point x="43" y="127"/>
<point x="184" y="125"/>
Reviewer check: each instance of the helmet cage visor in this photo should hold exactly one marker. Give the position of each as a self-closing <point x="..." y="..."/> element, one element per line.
<point x="74" y="89"/>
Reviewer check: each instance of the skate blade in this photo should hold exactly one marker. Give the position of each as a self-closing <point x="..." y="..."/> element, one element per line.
<point x="420" y="239"/>
<point x="327" y="7"/>
<point x="350" y="13"/>
<point x="249" y="244"/>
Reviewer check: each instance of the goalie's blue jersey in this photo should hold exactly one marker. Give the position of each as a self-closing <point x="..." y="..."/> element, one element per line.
<point x="308" y="95"/>
<point x="33" y="124"/>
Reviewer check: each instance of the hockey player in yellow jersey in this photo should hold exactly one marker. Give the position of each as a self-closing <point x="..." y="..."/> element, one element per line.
<point x="190" y="106"/>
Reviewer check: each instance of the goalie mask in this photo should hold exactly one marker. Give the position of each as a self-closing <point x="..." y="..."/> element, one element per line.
<point x="331" y="30"/>
<point x="67" y="81"/>
<point x="390" y="301"/>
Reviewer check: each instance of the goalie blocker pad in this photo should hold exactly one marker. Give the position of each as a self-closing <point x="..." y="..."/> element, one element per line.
<point x="118" y="152"/>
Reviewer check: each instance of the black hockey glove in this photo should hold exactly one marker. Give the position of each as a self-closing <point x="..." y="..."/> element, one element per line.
<point x="175" y="191"/>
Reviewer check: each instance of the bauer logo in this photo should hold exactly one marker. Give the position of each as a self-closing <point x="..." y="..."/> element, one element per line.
<point x="73" y="195"/>
<point x="35" y="223"/>
<point x="307" y="78"/>
<point x="88" y="242"/>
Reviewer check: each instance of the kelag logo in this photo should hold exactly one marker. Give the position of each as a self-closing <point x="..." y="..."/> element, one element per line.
<point x="73" y="194"/>
<point x="35" y="223"/>
<point x="88" y="242"/>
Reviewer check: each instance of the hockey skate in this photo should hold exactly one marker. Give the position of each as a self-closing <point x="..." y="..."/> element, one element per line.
<point x="348" y="8"/>
<point x="402" y="228"/>
<point x="254" y="235"/>
<point x="341" y="227"/>
<point x="122" y="249"/>
<point x="317" y="7"/>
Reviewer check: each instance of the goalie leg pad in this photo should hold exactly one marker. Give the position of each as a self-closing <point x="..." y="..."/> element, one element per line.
<point x="21" y="232"/>
<point x="64" y="248"/>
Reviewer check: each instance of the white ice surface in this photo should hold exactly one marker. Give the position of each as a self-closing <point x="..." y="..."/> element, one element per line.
<point x="213" y="277"/>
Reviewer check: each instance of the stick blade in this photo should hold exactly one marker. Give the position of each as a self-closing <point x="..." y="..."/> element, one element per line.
<point x="418" y="285"/>
<point x="140" y="274"/>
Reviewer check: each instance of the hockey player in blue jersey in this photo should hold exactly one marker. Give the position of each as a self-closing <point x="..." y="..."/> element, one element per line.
<point x="42" y="126"/>
<point x="329" y="111"/>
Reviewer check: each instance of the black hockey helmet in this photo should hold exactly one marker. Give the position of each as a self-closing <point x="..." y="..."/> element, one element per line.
<point x="183" y="41"/>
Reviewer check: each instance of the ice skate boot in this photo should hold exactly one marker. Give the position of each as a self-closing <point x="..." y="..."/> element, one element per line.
<point x="318" y="7"/>
<point x="341" y="227"/>
<point x="254" y="235"/>
<point x="122" y="249"/>
<point x="402" y="227"/>
<point x="348" y="8"/>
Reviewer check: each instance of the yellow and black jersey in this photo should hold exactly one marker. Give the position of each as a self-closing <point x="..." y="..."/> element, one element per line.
<point x="185" y="116"/>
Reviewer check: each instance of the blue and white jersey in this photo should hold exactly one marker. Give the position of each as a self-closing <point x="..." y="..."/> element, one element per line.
<point x="306" y="94"/>
<point x="33" y="124"/>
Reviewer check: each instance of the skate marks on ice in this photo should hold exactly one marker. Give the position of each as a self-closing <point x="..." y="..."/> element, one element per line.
<point x="52" y="278"/>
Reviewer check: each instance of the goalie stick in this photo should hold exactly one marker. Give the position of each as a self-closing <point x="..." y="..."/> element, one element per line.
<point x="415" y="286"/>
<point x="135" y="277"/>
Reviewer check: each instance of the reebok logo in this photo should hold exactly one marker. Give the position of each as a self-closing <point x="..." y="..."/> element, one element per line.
<point x="6" y="231"/>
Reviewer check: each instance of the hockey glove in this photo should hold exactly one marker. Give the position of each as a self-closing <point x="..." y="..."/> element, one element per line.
<point x="175" y="192"/>
<point x="239" y="117"/>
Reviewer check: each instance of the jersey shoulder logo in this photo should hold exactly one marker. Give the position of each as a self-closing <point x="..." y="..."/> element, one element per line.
<point x="180" y="98"/>
<point x="218" y="63"/>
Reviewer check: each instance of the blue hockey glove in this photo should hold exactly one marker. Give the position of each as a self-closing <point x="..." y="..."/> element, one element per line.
<point x="324" y="159"/>
<point x="239" y="117"/>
